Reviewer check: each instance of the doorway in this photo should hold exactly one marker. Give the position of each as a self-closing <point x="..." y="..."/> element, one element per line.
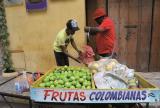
<point x="133" y="21"/>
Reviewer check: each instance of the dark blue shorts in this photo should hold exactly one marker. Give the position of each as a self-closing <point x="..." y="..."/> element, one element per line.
<point x="61" y="59"/>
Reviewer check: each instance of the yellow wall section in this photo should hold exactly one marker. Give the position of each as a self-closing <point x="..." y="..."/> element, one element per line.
<point x="35" y="32"/>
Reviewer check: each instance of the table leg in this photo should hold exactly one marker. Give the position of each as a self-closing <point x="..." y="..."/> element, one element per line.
<point x="30" y="103"/>
<point x="147" y="105"/>
<point x="8" y="103"/>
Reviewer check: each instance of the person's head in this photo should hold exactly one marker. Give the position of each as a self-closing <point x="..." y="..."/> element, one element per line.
<point x="72" y="26"/>
<point x="99" y="14"/>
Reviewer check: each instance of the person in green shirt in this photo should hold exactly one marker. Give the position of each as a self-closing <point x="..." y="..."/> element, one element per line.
<point x="63" y="38"/>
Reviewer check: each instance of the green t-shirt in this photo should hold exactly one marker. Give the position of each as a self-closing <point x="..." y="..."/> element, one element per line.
<point x="61" y="39"/>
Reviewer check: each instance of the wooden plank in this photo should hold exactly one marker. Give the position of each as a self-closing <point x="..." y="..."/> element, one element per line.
<point x="16" y="51"/>
<point x="113" y="13"/>
<point x="155" y="44"/>
<point x="144" y="83"/>
<point x="132" y="33"/>
<point x="119" y="11"/>
<point x="151" y="77"/>
<point x="143" y="42"/>
<point x="134" y="51"/>
<point x="91" y="5"/>
<point x="123" y="12"/>
<point x="102" y="3"/>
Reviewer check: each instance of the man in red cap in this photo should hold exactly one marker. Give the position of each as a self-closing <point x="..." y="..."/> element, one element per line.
<point x="105" y="33"/>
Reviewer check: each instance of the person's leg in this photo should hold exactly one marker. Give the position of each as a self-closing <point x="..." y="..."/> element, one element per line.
<point x="59" y="58"/>
<point x="66" y="60"/>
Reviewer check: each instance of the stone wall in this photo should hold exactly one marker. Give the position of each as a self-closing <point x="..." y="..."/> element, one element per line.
<point x="1" y="53"/>
<point x="0" y="57"/>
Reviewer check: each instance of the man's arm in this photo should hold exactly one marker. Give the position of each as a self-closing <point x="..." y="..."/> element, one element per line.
<point x="94" y="30"/>
<point x="64" y="49"/>
<point x="75" y="46"/>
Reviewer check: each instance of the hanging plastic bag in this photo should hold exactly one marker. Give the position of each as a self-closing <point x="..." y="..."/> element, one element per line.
<point x="87" y="55"/>
<point x="21" y="84"/>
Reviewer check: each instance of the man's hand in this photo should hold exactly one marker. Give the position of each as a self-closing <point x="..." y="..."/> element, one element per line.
<point x="94" y="30"/>
<point x="87" y="29"/>
<point x="79" y="52"/>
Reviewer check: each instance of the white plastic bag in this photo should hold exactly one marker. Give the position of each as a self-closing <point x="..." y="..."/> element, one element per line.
<point x="100" y="82"/>
<point x="108" y="80"/>
<point x="21" y="84"/>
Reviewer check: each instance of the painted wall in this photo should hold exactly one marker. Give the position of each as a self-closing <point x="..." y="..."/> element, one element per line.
<point x="35" y="32"/>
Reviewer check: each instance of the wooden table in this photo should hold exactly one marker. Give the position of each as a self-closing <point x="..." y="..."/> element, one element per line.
<point x="7" y="89"/>
<point x="152" y="77"/>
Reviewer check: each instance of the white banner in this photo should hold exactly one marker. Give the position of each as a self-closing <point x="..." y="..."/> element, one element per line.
<point x="94" y="96"/>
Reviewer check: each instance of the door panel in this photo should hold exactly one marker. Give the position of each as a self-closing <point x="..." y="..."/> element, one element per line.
<point x="144" y="37"/>
<point x="132" y="32"/>
<point x="133" y="27"/>
<point x="155" y="48"/>
<point x="91" y="5"/>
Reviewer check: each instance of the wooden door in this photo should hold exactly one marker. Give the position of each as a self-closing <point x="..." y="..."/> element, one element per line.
<point x="133" y="24"/>
<point x="154" y="64"/>
<point x="133" y="27"/>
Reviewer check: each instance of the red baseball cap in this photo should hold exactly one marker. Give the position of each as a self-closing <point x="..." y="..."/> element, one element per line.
<point x="98" y="13"/>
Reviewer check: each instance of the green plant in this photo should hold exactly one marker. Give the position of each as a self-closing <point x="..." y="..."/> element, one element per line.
<point x="7" y="63"/>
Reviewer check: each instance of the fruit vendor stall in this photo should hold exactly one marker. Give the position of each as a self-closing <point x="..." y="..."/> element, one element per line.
<point x="94" y="84"/>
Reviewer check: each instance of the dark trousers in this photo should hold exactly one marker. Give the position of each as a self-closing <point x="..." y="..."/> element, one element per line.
<point x="61" y="59"/>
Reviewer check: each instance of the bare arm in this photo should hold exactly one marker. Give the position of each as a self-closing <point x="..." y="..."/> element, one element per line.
<point x="94" y="30"/>
<point x="75" y="46"/>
